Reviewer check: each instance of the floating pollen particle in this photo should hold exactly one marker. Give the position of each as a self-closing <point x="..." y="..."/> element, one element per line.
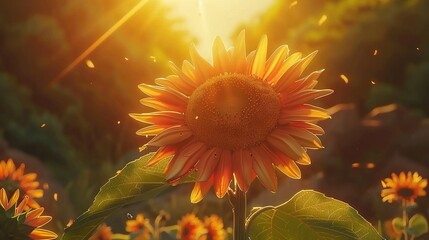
<point x="90" y="64"/>
<point x="293" y="4"/>
<point x="370" y="165"/>
<point x="43" y="125"/>
<point x="375" y="52"/>
<point x="126" y="59"/>
<point x="70" y="222"/>
<point x="345" y="79"/>
<point x="56" y="196"/>
<point x="372" y="82"/>
<point x="153" y="58"/>
<point x="322" y="19"/>
<point x="355" y="165"/>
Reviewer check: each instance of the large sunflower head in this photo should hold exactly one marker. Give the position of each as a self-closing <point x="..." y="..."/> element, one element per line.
<point x="404" y="188"/>
<point x="214" y="227"/>
<point x="241" y="116"/>
<point x="190" y="227"/>
<point x="18" y="223"/>
<point x="12" y="178"/>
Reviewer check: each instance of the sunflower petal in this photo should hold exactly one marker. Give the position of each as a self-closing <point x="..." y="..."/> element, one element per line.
<point x="201" y="189"/>
<point x="275" y="61"/>
<point x="258" y="65"/>
<point x="170" y="136"/>
<point x="220" y="57"/>
<point x="223" y="174"/>
<point x="208" y="163"/>
<point x="264" y="168"/>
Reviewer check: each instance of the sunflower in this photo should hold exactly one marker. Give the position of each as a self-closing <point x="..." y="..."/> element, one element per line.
<point x="12" y="178"/>
<point x="190" y="227"/>
<point x="404" y="188"/>
<point x="139" y="228"/>
<point x="235" y="118"/>
<point x="214" y="227"/>
<point x="103" y="232"/>
<point x="16" y="223"/>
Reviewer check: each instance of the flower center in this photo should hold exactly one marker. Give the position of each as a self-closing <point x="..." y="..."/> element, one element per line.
<point x="233" y="111"/>
<point x="405" y="193"/>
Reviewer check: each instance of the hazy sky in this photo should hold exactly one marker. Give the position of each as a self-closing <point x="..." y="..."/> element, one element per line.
<point x="207" y="19"/>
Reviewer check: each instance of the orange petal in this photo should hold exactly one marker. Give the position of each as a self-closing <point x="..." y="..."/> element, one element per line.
<point x="42" y="234"/>
<point x="203" y="69"/>
<point x="287" y="166"/>
<point x="275" y="61"/>
<point x="162" y="153"/>
<point x="208" y="163"/>
<point x="294" y="72"/>
<point x="201" y="189"/>
<point x="275" y="76"/>
<point x="239" y="54"/>
<point x="170" y="136"/>
<point x="258" y="66"/>
<point x="286" y="144"/>
<point x="39" y="221"/>
<point x="263" y="167"/>
<point x="151" y="130"/>
<point x="34" y="214"/>
<point x="305" y="97"/>
<point x="161" y="118"/>
<point x="303" y="113"/>
<point x="184" y="161"/>
<point x="242" y="165"/>
<point x="304" y="137"/>
<point x="223" y="174"/>
<point x="308" y="126"/>
<point x="221" y="61"/>
<point x="176" y="83"/>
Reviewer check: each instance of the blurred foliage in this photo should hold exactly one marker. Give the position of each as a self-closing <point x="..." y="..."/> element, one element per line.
<point x="347" y="41"/>
<point x="79" y="126"/>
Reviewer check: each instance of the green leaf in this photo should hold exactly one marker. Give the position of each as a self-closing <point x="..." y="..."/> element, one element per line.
<point x="134" y="184"/>
<point x="418" y="225"/>
<point x="398" y="224"/>
<point x="311" y="215"/>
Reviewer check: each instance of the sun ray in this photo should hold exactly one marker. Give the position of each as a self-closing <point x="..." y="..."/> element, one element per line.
<point x="98" y="42"/>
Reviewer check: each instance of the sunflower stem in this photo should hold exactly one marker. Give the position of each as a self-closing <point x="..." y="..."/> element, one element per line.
<point x="238" y="202"/>
<point x="405" y="219"/>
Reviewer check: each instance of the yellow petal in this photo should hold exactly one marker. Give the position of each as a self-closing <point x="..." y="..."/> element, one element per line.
<point x="170" y="136"/>
<point x="258" y="65"/>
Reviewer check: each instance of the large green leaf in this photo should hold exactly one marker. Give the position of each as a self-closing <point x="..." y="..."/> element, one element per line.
<point x="418" y="225"/>
<point x="134" y="184"/>
<point x="311" y="215"/>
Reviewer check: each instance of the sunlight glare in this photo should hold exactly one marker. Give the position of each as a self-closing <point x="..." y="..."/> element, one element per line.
<point x="322" y="19"/>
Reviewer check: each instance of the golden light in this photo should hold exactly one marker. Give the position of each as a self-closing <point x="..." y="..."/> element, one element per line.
<point x="375" y="52"/>
<point x="90" y="64"/>
<point x="119" y="122"/>
<point x="355" y="165"/>
<point x="43" y="125"/>
<point x="383" y="109"/>
<point x="372" y="82"/>
<point x="97" y="42"/>
<point x="126" y="59"/>
<point x="345" y="79"/>
<point x="322" y="19"/>
<point x="56" y="196"/>
<point x="69" y="223"/>
<point x="153" y="58"/>
<point x="293" y="4"/>
<point x="370" y="165"/>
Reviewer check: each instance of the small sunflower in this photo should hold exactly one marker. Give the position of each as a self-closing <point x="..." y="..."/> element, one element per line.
<point x="140" y="228"/>
<point x="236" y="118"/>
<point x="405" y="187"/>
<point x="190" y="227"/>
<point x="12" y="178"/>
<point x="16" y="223"/>
<point x="103" y="232"/>
<point x="214" y="227"/>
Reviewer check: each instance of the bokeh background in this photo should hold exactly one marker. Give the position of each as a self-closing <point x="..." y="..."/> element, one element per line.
<point x="69" y="122"/>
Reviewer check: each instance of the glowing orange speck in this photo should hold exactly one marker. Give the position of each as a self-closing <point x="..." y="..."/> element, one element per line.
<point x="196" y="117"/>
<point x="46" y="186"/>
<point x="293" y="4"/>
<point x="43" y="125"/>
<point x="322" y="19"/>
<point x="370" y="165"/>
<point x="56" y="196"/>
<point x="119" y="122"/>
<point x="372" y="82"/>
<point x="418" y="49"/>
<point x="345" y="79"/>
<point x="70" y="223"/>
<point x="90" y="64"/>
<point x="355" y="165"/>
<point x="126" y="59"/>
<point x="375" y="52"/>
